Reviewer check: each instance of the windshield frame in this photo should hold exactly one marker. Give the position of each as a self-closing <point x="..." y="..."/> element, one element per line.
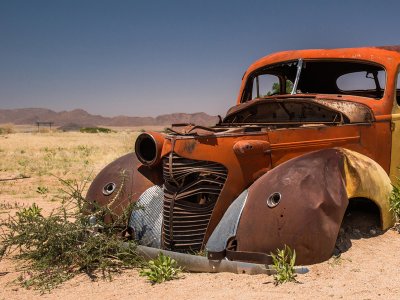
<point x="247" y="90"/>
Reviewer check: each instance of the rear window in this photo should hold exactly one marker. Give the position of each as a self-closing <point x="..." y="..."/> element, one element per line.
<point x="361" y="81"/>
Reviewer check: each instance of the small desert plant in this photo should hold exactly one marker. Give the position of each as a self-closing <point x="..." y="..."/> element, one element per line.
<point x="335" y="260"/>
<point x="28" y="214"/>
<point x="8" y="206"/>
<point x="57" y="247"/>
<point x="395" y="202"/>
<point x="42" y="190"/>
<point x="283" y="263"/>
<point x="161" y="269"/>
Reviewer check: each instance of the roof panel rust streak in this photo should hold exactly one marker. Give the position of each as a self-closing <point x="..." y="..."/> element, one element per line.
<point x="390" y="48"/>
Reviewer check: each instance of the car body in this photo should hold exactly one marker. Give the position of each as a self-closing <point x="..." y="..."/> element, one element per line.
<point x="311" y="131"/>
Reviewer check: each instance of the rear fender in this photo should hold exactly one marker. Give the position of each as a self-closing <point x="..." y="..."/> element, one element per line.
<point x="367" y="179"/>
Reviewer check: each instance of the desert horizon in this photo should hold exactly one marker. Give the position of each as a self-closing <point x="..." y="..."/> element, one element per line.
<point x="80" y="117"/>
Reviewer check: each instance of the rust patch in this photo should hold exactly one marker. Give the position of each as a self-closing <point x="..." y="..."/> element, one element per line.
<point x="189" y="145"/>
<point x="251" y="147"/>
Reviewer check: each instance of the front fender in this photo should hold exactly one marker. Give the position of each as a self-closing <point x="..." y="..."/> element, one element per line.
<point x="121" y="183"/>
<point x="300" y="203"/>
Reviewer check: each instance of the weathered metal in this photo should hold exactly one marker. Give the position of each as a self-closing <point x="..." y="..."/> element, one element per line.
<point x="309" y="197"/>
<point x="196" y="263"/>
<point x="128" y="179"/>
<point x="191" y="189"/>
<point x="204" y="169"/>
<point x="149" y="144"/>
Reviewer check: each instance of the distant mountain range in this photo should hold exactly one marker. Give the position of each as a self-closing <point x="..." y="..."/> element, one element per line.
<point x="84" y="119"/>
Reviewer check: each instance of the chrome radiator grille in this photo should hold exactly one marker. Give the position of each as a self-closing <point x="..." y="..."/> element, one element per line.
<point x="191" y="190"/>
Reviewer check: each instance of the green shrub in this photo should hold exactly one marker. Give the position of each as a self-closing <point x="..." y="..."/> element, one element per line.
<point x="57" y="247"/>
<point x="161" y="269"/>
<point x="395" y="201"/>
<point x="29" y="214"/>
<point x="283" y="263"/>
<point x="96" y="130"/>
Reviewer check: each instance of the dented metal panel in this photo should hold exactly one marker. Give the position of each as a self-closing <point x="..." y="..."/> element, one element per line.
<point x="227" y="228"/>
<point x="146" y="218"/>
<point x="309" y="196"/>
<point x="309" y="213"/>
<point x="130" y="179"/>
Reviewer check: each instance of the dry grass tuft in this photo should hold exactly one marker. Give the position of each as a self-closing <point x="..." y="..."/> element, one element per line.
<point x="7" y="128"/>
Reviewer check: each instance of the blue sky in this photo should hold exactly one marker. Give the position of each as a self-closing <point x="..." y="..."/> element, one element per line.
<point x="146" y="58"/>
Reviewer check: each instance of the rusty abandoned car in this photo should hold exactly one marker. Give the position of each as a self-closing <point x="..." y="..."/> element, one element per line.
<point x="311" y="132"/>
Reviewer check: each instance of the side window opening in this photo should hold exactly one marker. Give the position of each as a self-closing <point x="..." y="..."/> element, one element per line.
<point x="267" y="85"/>
<point x="362" y="81"/>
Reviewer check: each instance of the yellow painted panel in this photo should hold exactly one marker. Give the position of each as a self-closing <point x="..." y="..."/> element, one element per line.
<point x="395" y="159"/>
<point x="365" y="178"/>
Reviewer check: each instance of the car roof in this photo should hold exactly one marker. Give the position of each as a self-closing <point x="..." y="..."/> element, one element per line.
<point x="384" y="55"/>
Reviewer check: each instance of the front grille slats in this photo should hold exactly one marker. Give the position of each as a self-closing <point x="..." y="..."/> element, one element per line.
<point x="191" y="190"/>
<point x="177" y="220"/>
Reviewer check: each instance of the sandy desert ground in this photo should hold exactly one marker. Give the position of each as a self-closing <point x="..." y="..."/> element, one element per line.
<point x="368" y="270"/>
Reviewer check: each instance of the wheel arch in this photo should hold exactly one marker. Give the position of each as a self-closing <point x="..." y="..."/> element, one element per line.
<point x="366" y="179"/>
